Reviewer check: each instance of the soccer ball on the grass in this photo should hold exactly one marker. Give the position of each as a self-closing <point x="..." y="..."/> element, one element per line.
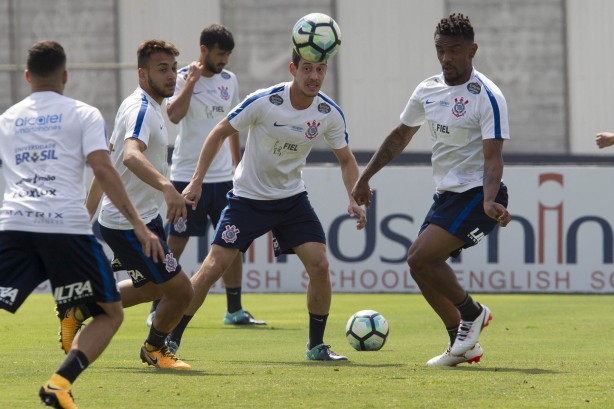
<point x="367" y="330"/>
<point x="316" y="37"/>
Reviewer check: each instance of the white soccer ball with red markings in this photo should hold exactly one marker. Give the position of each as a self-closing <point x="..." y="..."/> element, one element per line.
<point x="367" y="330"/>
<point x="316" y="37"/>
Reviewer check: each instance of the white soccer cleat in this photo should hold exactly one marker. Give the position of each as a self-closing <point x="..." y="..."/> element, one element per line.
<point x="447" y="359"/>
<point x="469" y="332"/>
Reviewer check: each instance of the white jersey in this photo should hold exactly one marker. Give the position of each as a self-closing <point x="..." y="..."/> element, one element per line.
<point x="459" y="118"/>
<point x="279" y="140"/>
<point x="44" y="143"/>
<point x="212" y="99"/>
<point x="139" y="116"/>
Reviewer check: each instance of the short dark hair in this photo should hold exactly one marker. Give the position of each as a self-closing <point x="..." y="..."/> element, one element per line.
<point x="45" y="58"/>
<point x="456" y="25"/>
<point x="149" y="47"/>
<point x="296" y="58"/>
<point x="217" y="34"/>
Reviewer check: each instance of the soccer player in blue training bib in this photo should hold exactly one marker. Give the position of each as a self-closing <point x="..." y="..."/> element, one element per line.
<point x="467" y="116"/>
<point x="282" y="124"/>
<point x="45" y="230"/>
<point x="205" y="93"/>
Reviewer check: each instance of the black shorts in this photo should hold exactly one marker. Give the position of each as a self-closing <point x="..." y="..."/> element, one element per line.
<point x="292" y="221"/>
<point x="128" y="251"/>
<point x="210" y="206"/>
<point x="462" y="214"/>
<point x="75" y="264"/>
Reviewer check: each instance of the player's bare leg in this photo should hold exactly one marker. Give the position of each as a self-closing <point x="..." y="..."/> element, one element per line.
<point x="319" y="294"/>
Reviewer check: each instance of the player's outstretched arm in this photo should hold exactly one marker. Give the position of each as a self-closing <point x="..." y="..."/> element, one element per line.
<point x="349" y="173"/>
<point x="210" y="148"/>
<point x="392" y="146"/>
<point x="110" y="182"/>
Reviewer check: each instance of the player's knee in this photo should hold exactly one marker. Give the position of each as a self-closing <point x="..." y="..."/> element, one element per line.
<point x="417" y="264"/>
<point x="319" y="270"/>
<point x="111" y="310"/>
<point x="182" y="291"/>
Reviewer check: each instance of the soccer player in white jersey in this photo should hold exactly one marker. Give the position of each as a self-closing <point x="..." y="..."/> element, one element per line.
<point x="205" y="93"/>
<point x="283" y="122"/>
<point x="467" y="116"/>
<point x="139" y="148"/>
<point x="45" y="231"/>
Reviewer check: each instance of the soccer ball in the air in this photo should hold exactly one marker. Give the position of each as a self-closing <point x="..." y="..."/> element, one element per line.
<point x="367" y="330"/>
<point x="316" y="37"/>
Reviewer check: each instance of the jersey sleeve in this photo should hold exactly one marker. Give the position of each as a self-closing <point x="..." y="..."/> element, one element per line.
<point x="138" y="123"/>
<point x="94" y="131"/>
<point x="414" y="114"/>
<point x="244" y="114"/>
<point x="494" y="121"/>
<point x="336" y="134"/>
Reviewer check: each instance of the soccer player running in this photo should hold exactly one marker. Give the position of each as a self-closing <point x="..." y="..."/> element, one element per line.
<point x="139" y="146"/>
<point x="467" y="116"/>
<point x="45" y="231"/>
<point x="283" y="123"/>
<point x="204" y="94"/>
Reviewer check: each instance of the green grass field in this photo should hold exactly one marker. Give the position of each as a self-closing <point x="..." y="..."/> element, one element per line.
<point x="541" y="351"/>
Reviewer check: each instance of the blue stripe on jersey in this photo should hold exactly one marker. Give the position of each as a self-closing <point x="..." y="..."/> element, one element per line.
<point x="330" y="101"/>
<point x="141" y="116"/>
<point x="253" y="98"/>
<point x="102" y="261"/>
<point x="459" y="219"/>
<point x="495" y="108"/>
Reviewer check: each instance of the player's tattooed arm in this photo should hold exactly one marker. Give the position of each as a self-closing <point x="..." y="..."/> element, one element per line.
<point x="392" y="146"/>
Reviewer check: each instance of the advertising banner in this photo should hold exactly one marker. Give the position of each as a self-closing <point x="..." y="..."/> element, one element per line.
<point x="560" y="240"/>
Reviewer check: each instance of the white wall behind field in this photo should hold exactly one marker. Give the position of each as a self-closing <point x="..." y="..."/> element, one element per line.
<point x="551" y="58"/>
<point x="379" y="68"/>
<point x="557" y="101"/>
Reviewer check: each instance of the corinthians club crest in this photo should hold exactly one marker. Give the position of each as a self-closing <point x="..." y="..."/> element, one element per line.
<point x="230" y="234"/>
<point x="459" y="107"/>
<point x="312" y="130"/>
<point x="224" y="92"/>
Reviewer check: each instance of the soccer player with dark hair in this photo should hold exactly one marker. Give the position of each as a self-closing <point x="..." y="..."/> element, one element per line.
<point x="467" y="116"/>
<point x="139" y="148"/>
<point x="282" y="124"/>
<point x="45" y="231"/>
<point x="204" y="94"/>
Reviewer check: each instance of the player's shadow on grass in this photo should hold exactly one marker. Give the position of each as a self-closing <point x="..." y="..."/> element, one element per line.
<point x="166" y="372"/>
<point x="243" y="327"/>
<point x="528" y="371"/>
<point x="328" y="363"/>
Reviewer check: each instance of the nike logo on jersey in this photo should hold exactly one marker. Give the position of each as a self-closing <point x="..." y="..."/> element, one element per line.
<point x="276" y="124"/>
<point x="427" y="102"/>
<point x="197" y="92"/>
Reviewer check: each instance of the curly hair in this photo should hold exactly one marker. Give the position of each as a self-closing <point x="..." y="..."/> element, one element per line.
<point x="457" y="25"/>
<point x="149" y="47"/>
